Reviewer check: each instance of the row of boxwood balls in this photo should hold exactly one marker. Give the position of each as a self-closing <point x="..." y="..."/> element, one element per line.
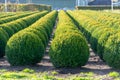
<point x="10" y="28"/>
<point x="68" y="48"/>
<point x="104" y="40"/>
<point x="28" y="45"/>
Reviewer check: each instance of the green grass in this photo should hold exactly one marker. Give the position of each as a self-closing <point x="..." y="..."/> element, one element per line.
<point x="114" y="74"/>
<point x="29" y="74"/>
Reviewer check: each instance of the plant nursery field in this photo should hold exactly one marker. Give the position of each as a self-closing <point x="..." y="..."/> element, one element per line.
<point x="60" y="45"/>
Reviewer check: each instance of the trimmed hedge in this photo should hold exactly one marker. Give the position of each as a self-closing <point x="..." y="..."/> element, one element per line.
<point x="69" y="47"/>
<point x="30" y="43"/>
<point x="95" y="7"/>
<point x="24" y="49"/>
<point x="17" y="25"/>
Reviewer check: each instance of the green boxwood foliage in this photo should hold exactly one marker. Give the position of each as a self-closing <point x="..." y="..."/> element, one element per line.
<point x="96" y="35"/>
<point x="3" y="40"/>
<point x="66" y="28"/>
<point x="15" y="26"/>
<point x="22" y="23"/>
<point x="69" y="50"/>
<point x="112" y="51"/>
<point x="46" y="24"/>
<point x="12" y="18"/>
<point x="24" y="48"/>
<point x="46" y="28"/>
<point x="102" y="41"/>
<point x="101" y="33"/>
<point x="8" y="29"/>
<point x="41" y="29"/>
<point x="28" y="45"/>
<point x="40" y="34"/>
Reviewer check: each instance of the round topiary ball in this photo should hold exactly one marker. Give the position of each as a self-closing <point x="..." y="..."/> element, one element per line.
<point x="24" y="48"/>
<point x="69" y="50"/>
<point x="112" y="51"/>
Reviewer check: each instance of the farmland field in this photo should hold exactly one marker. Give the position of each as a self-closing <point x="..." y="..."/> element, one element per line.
<point x="64" y="45"/>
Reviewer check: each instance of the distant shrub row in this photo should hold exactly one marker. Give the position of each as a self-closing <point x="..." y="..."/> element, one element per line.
<point x="110" y="19"/>
<point x="96" y="7"/>
<point x="3" y="15"/>
<point x="27" y="47"/>
<point x="69" y="47"/>
<point x="11" y="18"/>
<point x="8" y="29"/>
<point x="105" y="41"/>
<point x="25" y="7"/>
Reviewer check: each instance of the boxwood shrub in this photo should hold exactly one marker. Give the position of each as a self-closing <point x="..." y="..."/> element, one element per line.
<point x="102" y="41"/>
<point x="3" y="40"/>
<point x="69" y="47"/>
<point x="112" y="51"/>
<point x="96" y="35"/>
<point x="69" y="50"/>
<point x="24" y="49"/>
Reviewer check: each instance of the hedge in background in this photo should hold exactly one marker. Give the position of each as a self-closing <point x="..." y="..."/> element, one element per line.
<point x="25" y="7"/>
<point x="29" y="43"/>
<point x="69" y="47"/>
<point x="33" y="7"/>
